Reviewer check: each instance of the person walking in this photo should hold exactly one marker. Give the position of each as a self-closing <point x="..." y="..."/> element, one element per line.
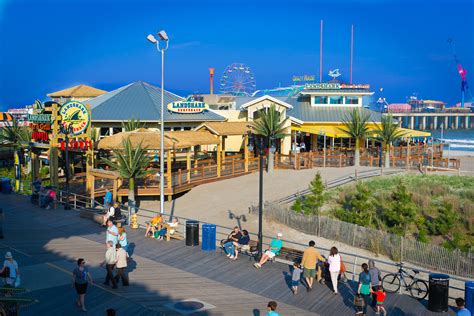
<point x="112" y="233"/>
<point x="110" y="261"/>
<point x="364" y="288"/>
<point x="10" y="271"/>
<point x="122" y="238"/>
<point x="122" y="257"/>
<point x="309" y="261"/>
<point x="462" y="310"/>
<point x="80" y="278"/>
<point x="334" y="261"/>
<point x="295" y="277"/>
<point x="271" y="309"/>
<point x="375" y="277"/>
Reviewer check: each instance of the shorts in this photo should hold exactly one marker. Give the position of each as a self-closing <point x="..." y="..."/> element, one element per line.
<point x="295" y="283"/>
<point x="81" y="288"/>
<point x="380" y="304"/>
<point x="270" y="254"/>
<point x="309" y="273"/>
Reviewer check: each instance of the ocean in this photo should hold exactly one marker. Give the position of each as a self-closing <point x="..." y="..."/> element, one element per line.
<point x="459" y="140"/>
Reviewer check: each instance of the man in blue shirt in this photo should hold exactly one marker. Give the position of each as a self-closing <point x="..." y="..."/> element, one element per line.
<point x="107" y="199"/>
<point x="270" y="253"/>
<point x="463" y="311"/>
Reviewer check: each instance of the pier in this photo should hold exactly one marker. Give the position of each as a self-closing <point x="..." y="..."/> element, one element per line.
<point x="431" y="121"/>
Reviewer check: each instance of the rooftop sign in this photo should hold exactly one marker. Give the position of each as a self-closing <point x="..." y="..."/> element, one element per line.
<point x="188" y="107"/>
<point x="334" y="86"/>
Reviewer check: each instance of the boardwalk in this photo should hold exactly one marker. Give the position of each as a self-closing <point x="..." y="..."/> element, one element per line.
<point x="47" y="242"/>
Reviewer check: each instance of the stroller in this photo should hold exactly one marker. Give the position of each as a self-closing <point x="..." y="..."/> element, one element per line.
<point x="326" y="276"/>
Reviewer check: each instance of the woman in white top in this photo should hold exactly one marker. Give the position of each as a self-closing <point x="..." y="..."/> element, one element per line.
<point x="110" y="212"/>
<point x="334" y="262"/>
<point x="12" y="266"/>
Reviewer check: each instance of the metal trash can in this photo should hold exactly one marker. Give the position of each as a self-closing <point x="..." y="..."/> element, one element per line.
<point x="208" y="237"/>
<point x="192" y="233"/>
<point x="469" y="296"/>
<point x="6" y="185"/>
<point x="438" y="292"/>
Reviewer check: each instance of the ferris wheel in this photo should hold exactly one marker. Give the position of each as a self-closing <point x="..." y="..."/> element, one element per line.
<point x="237" y="79"/>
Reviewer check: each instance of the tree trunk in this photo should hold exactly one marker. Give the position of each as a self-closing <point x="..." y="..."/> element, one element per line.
<point x="357" y="153"/>
<point x="387" y="156"/>
<point x="131" y="192"/>
<point x="271" y="157"/>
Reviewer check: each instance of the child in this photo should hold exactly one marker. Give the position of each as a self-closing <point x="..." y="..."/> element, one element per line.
<point x="380" y="294"/>
<point x="271" y="307"/>
<point x="295" y="278"/>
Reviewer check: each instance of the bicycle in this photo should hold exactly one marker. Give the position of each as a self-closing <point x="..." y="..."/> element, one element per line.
<point x="391" y="283"/>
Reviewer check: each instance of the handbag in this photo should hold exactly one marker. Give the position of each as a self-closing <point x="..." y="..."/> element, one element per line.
<point x="343" y="267"/>
<point x="5" y="273"/>
<point x="359" y="301"/>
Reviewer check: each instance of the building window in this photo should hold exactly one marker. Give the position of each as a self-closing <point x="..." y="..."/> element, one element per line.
<point x="336" y="100"/>
<point x="352" y="100"/>
<point x="320" y="100"/>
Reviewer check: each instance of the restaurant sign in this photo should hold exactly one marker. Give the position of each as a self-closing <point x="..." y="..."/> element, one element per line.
<point x="188" y="107"/>
<point x="334" y="86"/>
<point x="75" y="114"/>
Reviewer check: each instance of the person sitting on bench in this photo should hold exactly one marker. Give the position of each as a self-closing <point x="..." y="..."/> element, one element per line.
<point x="172" y="225"/>
<point x="270" y="253"/>
<point x="153" y="224"/>
<point x="109" y="214"/>
<point x="234" y="236"/>
<point x="232" y="247"/>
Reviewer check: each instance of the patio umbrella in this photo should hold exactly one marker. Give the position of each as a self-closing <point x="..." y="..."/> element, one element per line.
<point x="4" y="116"/>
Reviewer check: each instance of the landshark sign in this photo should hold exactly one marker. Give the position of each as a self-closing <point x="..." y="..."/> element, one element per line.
<point x="188" y="106"/>
<point x="75" y="114"/>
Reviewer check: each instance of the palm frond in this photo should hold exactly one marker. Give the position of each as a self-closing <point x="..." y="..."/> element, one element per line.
<point x="355" y="124"/>
<point x="270" y="124"/>
<point x="388" y="131"/>
<point x="132" y="124"/>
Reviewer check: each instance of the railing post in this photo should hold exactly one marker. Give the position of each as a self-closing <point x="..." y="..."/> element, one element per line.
<point x="233" y="166"/>
<point x="179" y="177"/>
<point x="354" y="268"/>
<point x="340" y="160"/>
<point x="75" y="200"/>
<point x="202" y="171"/>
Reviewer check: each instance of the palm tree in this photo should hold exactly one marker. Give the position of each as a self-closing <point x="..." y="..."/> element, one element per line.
<point x="131" y="163"/>
<point x="388" y="132"/>
<point x="271" y="126"/>
<point x="16" y="136"/>
<point x="132" y="124"/>
<point x="356" y="126"/>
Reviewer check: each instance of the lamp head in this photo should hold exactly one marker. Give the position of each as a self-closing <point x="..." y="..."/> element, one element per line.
<point x="151" y="39"/>
<point x="162" y="35"/>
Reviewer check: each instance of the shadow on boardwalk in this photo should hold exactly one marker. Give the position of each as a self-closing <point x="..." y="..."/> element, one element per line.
<point x="54" y="239"/>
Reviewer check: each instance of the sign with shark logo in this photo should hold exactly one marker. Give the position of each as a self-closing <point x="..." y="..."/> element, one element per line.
<point x="188" y="106"/>
<point x="75" y="114"/>
<point x="38" y="115"/>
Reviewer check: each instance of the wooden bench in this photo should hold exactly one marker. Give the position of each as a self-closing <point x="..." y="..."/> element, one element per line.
<point x="93" y="215"/>
<point x="289" y="255"/>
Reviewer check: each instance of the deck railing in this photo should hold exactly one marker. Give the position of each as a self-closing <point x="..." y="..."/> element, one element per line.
<point x="352" y="261"/>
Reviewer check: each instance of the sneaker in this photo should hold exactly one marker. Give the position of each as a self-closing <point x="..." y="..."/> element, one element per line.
<point x="228" y="255"/>
<point x="231" y="257"/>
<point x="257" y="265"/>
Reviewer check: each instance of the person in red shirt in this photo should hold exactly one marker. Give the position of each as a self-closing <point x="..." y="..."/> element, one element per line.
<point x="380" y="295"/>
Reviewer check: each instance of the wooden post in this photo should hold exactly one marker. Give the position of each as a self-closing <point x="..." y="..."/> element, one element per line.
<point x="92" y="188"/>
<point x="219" y="162"/>
<point x="223" y="151"/>
<point x="114" y="191"/>
<point x="340" y="160"/>
<point x="246" y="153"/>
<point x="179" y="177"/>
<point x="196" y="165"/>
<point x="233" y="166"/>
<point x="168" y="167"/>
<point x="202" y="171"/>
<point x="53" y="148"/>
<point x="408" y="157"/>
<point x="188" y="166"/>
<point x="34" y="165"/>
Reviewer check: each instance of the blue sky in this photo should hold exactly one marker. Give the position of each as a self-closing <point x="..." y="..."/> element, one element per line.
<point x="399" y="45"/>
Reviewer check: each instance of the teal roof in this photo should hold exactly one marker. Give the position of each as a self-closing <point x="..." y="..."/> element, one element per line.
<point x="142" y="101"/>
<point x="303" y="110"/>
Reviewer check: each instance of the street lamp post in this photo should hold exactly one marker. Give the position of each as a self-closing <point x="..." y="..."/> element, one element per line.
<point x="261" y="153"/>
<point x="324" y="147"/>
<point x="163" y="37"/>
<point x="66" y="130"/>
